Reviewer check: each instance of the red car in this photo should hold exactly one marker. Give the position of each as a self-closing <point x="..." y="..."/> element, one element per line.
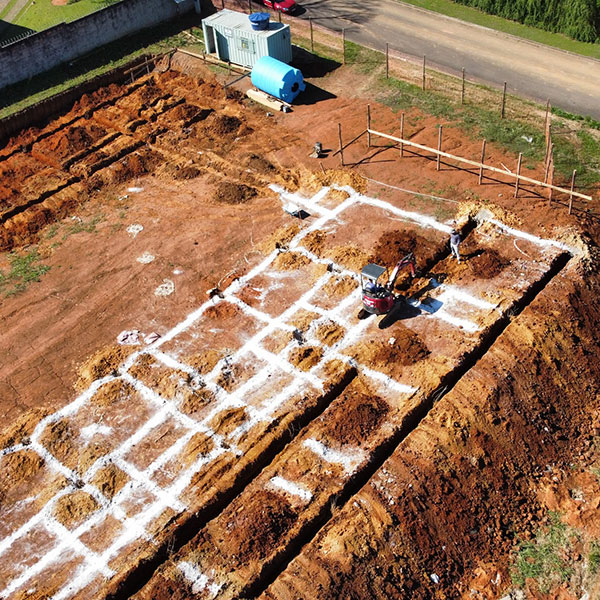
<point x="285" y="6"/>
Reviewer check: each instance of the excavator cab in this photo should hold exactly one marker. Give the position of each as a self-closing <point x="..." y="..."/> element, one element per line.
<point x="378" y="298"/>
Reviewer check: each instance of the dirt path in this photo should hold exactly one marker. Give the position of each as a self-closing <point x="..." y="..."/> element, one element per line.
<point x="571" y="82"/>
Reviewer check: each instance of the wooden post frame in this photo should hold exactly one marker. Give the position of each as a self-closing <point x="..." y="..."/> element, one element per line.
<point x="518" y="174"/>
<point x="439" y="148"/>
<point x="279" y="15"/>
<point x="480" y="165"/>
<point x="341" y="144"/>
<point x="344" y="44"/>
<point x="424" y="62"/>
<point x="482" y="162"/>
<point x="368" y="125"/>
<point x="312" y="43"/>
<point x="462" y="91"/>
<point x="503" y="101"/>
<point x="401" y="134"/>
<point x="571" y="194"/>
<point x="387" y="60"/>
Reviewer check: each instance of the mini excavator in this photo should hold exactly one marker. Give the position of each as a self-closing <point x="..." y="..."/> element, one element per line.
<point x="379" y="298"/>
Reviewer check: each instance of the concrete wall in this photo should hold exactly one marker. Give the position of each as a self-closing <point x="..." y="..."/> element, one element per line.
<point x="47" y="49"/>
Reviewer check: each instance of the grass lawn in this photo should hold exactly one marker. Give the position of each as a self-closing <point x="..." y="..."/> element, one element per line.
<point x="472" y="15"/>
<point x="41" y="14"/>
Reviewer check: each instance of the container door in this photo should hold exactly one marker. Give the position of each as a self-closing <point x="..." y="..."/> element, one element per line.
<point x="223" y="39"/>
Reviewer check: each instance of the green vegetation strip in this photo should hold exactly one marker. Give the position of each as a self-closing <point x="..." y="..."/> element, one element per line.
<point x="472" y="15"/>
<point x="24" y="269"/>
<point x="479" y="121"/>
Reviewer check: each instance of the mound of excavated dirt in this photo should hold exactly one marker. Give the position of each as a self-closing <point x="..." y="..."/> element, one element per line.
<point x="351" y="257"/>
<point x="359" y="413"/>
<point x="20" y="466"/>
<point x="314" y="241"/>
<point x="403" y="347"/>
<point x="254" y="536"/>
<point x="228" y="420"/>
<point x="102" y="363"/>
<point x="317" y="180"/>
<point x="72" y="509"/>
<point x="329" y="333"/>
<point x="75" y="139"/>
<point x="109" y="480"/>
<point x="195" y="401"/>
<point x="305" y="357"/>
<point x="224" y="124"/>
<point x="488" y="264"/>
<point x="280" y="238"/>
<point x="260" y="164"/>
<point x="339" y="286"/>
<point x="205" y="361"/>
<point x="289" y="261"/>
<point x="394" y="245"/>
<point x="229" y="192"/>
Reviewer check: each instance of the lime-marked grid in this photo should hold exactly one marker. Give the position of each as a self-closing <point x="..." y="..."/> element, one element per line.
<point x="135" y="527"/>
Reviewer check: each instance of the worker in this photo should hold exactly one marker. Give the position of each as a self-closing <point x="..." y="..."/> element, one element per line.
<point x="454" y="244"/>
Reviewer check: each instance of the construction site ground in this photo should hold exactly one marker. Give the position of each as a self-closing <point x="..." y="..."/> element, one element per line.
<point x="163" y="440"/>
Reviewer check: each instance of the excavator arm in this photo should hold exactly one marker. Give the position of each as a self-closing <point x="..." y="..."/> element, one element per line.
<point x="407" y="261"/>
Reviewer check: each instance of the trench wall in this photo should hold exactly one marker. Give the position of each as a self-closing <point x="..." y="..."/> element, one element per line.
<point x="47" y="49"/>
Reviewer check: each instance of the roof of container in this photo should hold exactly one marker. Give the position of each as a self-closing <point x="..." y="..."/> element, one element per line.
<point x="241" y="22"/>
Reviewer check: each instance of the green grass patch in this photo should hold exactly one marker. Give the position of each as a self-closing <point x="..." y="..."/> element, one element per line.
<point x="594" y="557"/>
<point x="83" y="226"/>
<point x="546" y="559"/>
<point x="472" y="15"/>
<point x="363" y="58"/>
<point x="24" y="269"/>
<point x="42" y="14"/>
<point x="511" y="134"/>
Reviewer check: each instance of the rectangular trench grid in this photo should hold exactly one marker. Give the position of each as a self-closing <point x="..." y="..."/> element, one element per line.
<point x="275" y="395"/>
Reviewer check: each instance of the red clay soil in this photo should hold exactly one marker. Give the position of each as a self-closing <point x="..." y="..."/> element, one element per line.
<point x="192" y="166"/>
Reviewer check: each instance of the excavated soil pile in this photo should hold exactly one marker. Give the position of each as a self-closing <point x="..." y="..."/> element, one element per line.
<point x="487" y="264"/>
<point x="357" y="416"/>
<point x="228" y="192"/>
<point x="249" y="538"/>
<point x="404" y="347"/>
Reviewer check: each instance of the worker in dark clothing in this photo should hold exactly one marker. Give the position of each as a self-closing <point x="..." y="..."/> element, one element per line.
<point x="454" y="244"/>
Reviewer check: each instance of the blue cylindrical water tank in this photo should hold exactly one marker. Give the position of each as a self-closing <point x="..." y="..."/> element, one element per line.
<point x="278" y="79"/>
<point x="259" y="21"/>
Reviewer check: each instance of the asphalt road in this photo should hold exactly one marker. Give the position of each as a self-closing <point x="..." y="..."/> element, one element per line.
<point x="571" y="82"/>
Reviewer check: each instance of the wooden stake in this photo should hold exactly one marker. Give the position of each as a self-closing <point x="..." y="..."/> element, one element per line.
<point x="571" y="194"/>
<point x="424" y="61"/>
<point x="551" y="180"/>
<point x="547" y="115"/>
<point x="250" y="6"/>
<point x="341" y="145"/>
<point x="368" y="125"/>
<point x="387" y="60"/>
<point x="547" y="149"/>
<point x="279" y="15"/>
<point x="548" y="161"/>
<point x="503" y="101"/>
<point x="401" y="134"/>
<point x="439" y="147"/>
<point x="518" y="174"/>
<point x="223" y="4"/>
<point x="462" y="93"/>
<point x="312" y="43"/>
<point x="344" y="44"/>
<point x="482" y="161"/>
